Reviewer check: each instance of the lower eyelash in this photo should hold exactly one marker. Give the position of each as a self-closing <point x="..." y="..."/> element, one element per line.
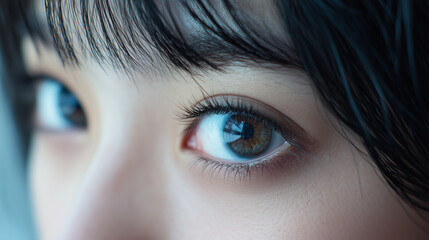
<point x="246" y="171"/>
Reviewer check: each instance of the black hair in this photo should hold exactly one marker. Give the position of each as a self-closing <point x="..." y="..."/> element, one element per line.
<point x="367" y="59"/>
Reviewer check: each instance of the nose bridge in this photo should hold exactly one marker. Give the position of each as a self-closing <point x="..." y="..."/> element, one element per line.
<point x="119" y="196"/>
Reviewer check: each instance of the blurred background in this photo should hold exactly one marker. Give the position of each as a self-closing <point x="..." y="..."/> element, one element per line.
<point x="15" y="214"/>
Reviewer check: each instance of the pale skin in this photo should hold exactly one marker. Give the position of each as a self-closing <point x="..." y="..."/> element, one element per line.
<point x="129" y="176"/>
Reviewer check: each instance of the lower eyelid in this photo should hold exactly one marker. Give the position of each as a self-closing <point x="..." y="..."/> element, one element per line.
<point x="281" y="165"/>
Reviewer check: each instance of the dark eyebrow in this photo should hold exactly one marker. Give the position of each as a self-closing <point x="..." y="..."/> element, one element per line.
<point x="133" y="35"/>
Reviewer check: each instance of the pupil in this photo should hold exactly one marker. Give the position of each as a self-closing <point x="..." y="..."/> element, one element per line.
<point x="247" y="131"/>
<point x="246" y="137"/>
<point x="68" y="102"/>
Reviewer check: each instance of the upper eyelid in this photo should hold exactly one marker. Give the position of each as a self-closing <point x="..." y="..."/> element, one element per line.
<point x="237" y="110"/>
<point x="290" y="130"/>
<point x="35" y="78"/>
<point x="40" y="77"/>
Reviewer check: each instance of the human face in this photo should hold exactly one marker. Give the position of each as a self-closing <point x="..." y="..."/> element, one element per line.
<point x="134" y="170"/>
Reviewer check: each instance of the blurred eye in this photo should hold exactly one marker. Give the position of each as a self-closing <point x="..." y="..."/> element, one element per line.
<point x="57" y="107"/>
<point x="235" y="138"/>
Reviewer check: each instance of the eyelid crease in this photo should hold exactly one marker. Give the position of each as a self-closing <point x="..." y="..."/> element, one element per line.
<point x="37" y="78"/>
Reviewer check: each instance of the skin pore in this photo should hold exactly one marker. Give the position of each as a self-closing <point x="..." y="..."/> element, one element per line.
<point x="129" y="175"/>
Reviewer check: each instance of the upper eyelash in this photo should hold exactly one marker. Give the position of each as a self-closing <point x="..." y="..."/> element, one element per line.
<point x="211" y="105"/>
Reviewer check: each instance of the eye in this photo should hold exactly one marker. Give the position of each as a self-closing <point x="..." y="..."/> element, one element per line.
<point x="57" y="107"/>
<point x="241" y="136"/>
<point x="236" y="137"/>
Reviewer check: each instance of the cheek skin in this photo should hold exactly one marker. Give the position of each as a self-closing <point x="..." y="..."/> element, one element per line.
<point x="327" y="201"/>
<point x="123" y="184"/>
<point x="54" y="166"/>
